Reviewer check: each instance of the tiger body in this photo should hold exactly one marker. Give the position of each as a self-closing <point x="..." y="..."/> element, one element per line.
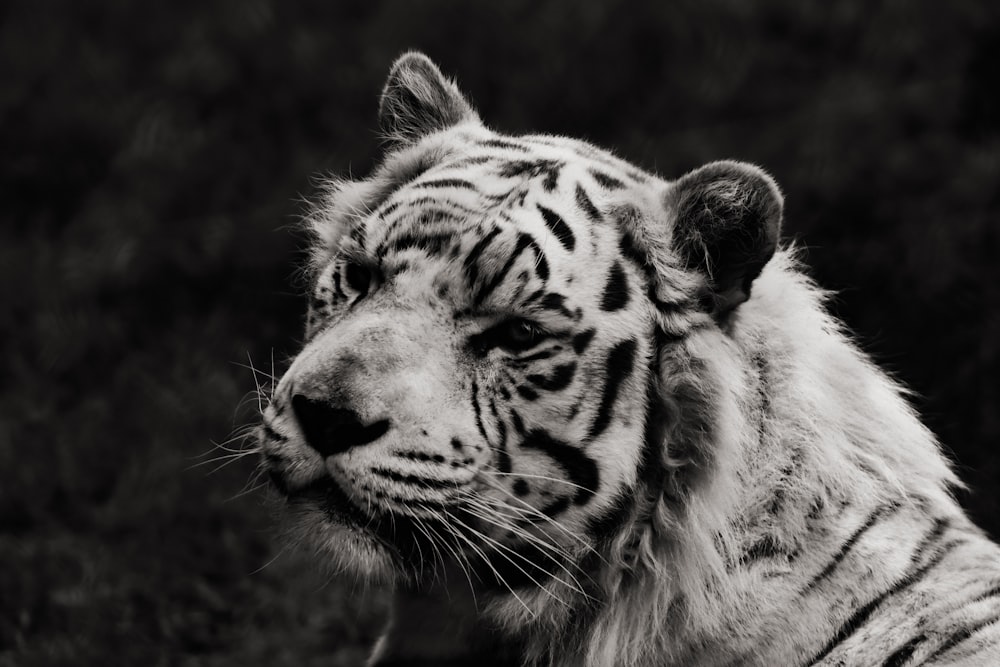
<point x="547" y="394"/>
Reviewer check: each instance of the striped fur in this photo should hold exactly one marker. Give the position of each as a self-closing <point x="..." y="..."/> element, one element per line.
<point x="547" y="394"/>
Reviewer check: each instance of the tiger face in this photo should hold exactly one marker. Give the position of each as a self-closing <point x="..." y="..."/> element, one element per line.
<point x="481" y="383"/>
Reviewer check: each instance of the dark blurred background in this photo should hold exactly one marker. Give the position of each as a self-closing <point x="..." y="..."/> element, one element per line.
<point x="154" y="157"/>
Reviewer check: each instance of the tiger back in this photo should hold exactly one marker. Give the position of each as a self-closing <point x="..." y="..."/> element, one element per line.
<point x="576" y="414"/>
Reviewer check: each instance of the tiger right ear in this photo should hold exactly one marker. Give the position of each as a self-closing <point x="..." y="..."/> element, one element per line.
<point x="726" y="224"/>
<point x="418" y="99"/>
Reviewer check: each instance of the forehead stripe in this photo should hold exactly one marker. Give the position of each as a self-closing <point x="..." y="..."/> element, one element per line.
<point x="584" y="202"/>
<point x="558" y="227"/>
<point x="446" y="183"/>
<point x="524" y="241"/>
<point x="471" y="265"/>
<point x="605" y="181"/>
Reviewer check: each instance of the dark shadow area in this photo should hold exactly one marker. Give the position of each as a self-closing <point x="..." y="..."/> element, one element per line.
<point x="153" y="159"/>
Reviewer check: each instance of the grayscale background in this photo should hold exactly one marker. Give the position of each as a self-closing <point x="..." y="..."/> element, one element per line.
<point x="153" y="158"/>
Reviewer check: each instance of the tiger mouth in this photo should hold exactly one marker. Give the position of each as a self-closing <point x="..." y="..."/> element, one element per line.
<point x="393" y="532"/>
<point x="335" y="504"/>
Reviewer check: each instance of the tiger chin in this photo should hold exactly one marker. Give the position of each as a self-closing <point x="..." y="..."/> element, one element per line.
<point x="577" y="414"/>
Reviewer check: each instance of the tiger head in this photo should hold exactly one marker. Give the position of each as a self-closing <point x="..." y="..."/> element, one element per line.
<point x="505" y="365"/>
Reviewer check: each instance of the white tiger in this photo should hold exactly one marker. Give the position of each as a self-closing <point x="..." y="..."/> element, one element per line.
<point x="579" y="415"/>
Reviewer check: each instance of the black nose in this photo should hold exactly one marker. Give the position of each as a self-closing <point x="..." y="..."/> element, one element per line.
<point x="331" y="430"/>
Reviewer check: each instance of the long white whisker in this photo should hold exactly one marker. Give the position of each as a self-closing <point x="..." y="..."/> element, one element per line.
<point x="533" y="511"/>
<point x="472" y="545"/>
<point x="497" y="473"/>
<point x="276" y="557"/>
<point x="559" y="554"/>
<point x="419" y="525"/>
<point x="460" y="559"/>
<point x="228" y="458"/>
<point x="501" y="548"/>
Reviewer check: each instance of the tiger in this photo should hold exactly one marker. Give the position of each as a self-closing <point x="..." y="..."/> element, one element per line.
<point x="573" y="413"/>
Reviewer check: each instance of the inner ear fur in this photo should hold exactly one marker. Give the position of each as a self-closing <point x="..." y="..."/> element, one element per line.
<point x="417" y="100"/>
<point x="726" y="224"/>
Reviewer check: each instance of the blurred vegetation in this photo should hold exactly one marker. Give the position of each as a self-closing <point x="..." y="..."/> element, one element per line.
<point x="153" y="156"/>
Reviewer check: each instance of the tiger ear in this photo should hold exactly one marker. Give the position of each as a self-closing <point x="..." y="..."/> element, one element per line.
<point x="726" y="222"/>
<point x="417" y="100"/>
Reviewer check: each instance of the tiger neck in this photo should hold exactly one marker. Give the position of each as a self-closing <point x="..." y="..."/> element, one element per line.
<point x="808" y="441"/>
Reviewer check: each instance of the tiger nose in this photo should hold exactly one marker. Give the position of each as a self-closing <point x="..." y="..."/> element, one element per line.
<point x="331" y="430"/>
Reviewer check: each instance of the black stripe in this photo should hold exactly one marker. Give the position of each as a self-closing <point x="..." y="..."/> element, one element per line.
<point x="991" y="593"/>
<point x="628" y="246"/>
<point x="904" y="653"/>
<point x="606" y="525"/>
<point x="527" y="393"/>
<point x="446" y="183"/>
<point x="846" y="547"/>
<point x="579" y="467"/>
<point x="416" y="480"/>
<point x="858" y="619"/>
<point x="500" y="143"/>
<point x="651" y="471"/>
<point x="336" y="284"/>
<point x="555" y="507"/>
<point x="517" y="422"/>
<point x="584" y="202"/>
<point x="615" y="295"/>
<point x="426" y="217"/>
<point x="555" y="301"/>
<point x="478" y="411"/>
<point x="432" y="244"/>
<point x="618" y="366"/>
<point x="274" y="435"/>
<point x="558" y="227"/>
<point x="765" y="548"/>
<point x="551" y="179"/>
<point x="534" y="169"/>
<point x="559" y="380"/>
<point x="541" y="267"/>
<point x="503" y="456"/>
<point x="424" y="457"/>
<point x="651" y="468"/>
<point x="471" y="265"/>
<point x="605" y="181"/>
<point x="358" y="232"/>
<point x="960" y="636"/>
<point x="537" y="294"/>
<point x="581" y="341"/>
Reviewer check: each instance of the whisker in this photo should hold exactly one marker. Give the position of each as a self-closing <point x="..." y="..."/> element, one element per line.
<point x="559" y="554"/>
<point x="419" y="525"/>
<point x="533" y="511"/>
<point x="278" y="555"/>
<point x="227" y="459"/>
<point x="486" y="560"/>
<point x="252" y="489"/>
<point x="510" y="560"/>
<point x="461" y="560"/>
<point x="497" y="473"/>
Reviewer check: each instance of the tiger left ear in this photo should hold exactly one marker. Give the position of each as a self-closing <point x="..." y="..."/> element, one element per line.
<point x="726" y="224"/>
<point x="417" y="100"/>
